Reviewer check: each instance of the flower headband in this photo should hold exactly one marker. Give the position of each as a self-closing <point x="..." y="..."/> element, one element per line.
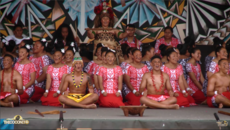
<point x="112" y="50"/>
<point x="63" y="50"/>
<point x="27" y="46"/>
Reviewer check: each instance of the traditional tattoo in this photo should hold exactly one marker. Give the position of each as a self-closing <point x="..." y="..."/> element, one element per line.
<point x="90" y="82"/>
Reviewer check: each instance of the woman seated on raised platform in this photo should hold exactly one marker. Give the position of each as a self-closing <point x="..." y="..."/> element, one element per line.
<point x="110" y="81"/>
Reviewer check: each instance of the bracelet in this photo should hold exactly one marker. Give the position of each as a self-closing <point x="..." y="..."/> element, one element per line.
<point x="58" y="92"/>
<point x="183" y="91"/>
<point x="142" y="93"/>
<point x="188" y="89"/>
<point x="102" y="91"/>
<point x="47" y="91"/>
<point x="215" y="92"/>
<point x="24" y="87"/>
<point x="63" y="93"/>
<point x="119" y="91"/>
<point x="36" y="82"/>
<point x="16" y="91"/>
<point x="134" y="91"/>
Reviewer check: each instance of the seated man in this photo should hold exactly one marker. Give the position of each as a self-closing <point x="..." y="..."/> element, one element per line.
<point x="11" y="84"/>
<point x="156" y="82"/>
<point x="77" y="83"/>
<point x="218" y="86"/>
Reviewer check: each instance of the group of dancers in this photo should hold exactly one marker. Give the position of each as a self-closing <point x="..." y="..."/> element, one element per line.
<point x="65" y="73"/>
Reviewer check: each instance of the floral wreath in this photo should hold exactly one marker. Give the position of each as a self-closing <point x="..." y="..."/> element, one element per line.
<point x="103" y="7"/>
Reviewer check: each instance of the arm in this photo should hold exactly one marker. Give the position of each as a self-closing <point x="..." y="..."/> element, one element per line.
<point x="143" y="83"/>
<point x="211" y="87"/>
<point x="65" y="84"/>
<point x="96" y="81"/>
<point x="32" y="79"/>
<point x="42" y="77"/>
<point x="209" y="74"/>
<point x="120" y="79"/>
<point x="181" y="84"/>
<point x="90" y="84"/>
<point x="48" y="83"/>
<point x="168" y="86"/>
<point x="90" y="34"/>
<point x="201" y="78"/>
<point x="127" y="82"/>
<point x="194" y="80"/>
<point x="19" y="83"/>
<point x="100" y="80"/>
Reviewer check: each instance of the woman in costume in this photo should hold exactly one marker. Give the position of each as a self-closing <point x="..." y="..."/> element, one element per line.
<point x="55" y="73"/>
<point x="175" y="72"/>
<point x="132" y="77"/>
<point x="221" y="53"/>
<point x="147" y="54"/>
<point x="195" y="77"/>
<point x="110" y="81"/>
<point x="184" y="57"/>
<point x="27" y="69"/>
<point x="104" y="32"/>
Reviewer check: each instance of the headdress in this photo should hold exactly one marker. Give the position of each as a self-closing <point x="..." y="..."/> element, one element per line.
<point x="104" y="10"/>
<point x="76" y="59"/>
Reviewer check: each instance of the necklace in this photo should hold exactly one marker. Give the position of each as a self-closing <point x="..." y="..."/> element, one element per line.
<point x="162" y="82"/>
<point x="82" y="74"/>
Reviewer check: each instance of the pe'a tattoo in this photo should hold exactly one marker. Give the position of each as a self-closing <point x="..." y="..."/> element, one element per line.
<point x="89" y="80"/>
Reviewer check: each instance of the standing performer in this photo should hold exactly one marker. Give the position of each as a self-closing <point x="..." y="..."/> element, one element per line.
<point x="218" y="86"/>
<point x="41" y="62"/>
<point x="77" y="82"/>
<point x="132" y="77"/>
<point x="104" y="32"/>
<point x="195" y="77"/>
<point x="55" y="73"/>
<point x="28" y="71"/>
<point x="221" y="53"/>
<point x="175" y="72"/>
<point x="156" y="82"/>
<point x="11" y="84"/>
<point x="110" y="81"/>
<point x="131" y="40"/>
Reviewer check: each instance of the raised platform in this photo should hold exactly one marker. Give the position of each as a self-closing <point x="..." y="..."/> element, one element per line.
<point x="196" y="117"/>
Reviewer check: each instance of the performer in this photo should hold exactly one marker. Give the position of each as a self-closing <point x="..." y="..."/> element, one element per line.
<point x="147" y="54"/>
<point x="68" y="58"/>
<point x="132" y="77"/>
<point x="17" y="36"/>
<point x="156" y="82"/>
<point x="131" y="40"/>
<point x="218" y="86"/>
<point x="168" y="40"/>
<point x="55" y="73"/>
<point x="124" y="48"/>
<point x="110" y="81"/>
<point x="175" y="72"/>
<point x="184" y="56"/>
<point x="41" y="62"/>
<point x="195" y="77"/>
<point x="11" y="84"/>
<point x="77" y="82"/>
<point x="221" y="53"/>
<point x="28" y="72"/>
<point x="163" y="49"/>
<point x="104" y="20"/>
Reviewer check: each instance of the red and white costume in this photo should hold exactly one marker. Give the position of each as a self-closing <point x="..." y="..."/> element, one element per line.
<point x="40" y="63"/>
<point x="134" y="43"/>
<point x="25" y="70"/>
<point x="197" y="94"/>
<point x="56" y="77"/>
<point x="70" y="69"/>
<point x="211" y="101"/>
<point x="110" y="78"/>
<point x="160" y="41"/>
<point x="135" y="80"/>
<point x="174" y="75"/>
<point x="158" y="98"/>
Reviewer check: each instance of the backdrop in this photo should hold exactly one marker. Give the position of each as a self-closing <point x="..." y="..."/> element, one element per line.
<point x="201" y="19"/>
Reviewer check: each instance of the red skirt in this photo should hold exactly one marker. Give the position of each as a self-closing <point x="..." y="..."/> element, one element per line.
<point x="199" y="97"/>
<point x="24" y="98"/>
<point x="3" y="95"/>
<point x="211" y="101"/>
<point x="50" y="100"/>
<point x="158" y="98"/>
<point x="110" y="100"/>
<point x="132" y="99"/>
<point x="182" y="101"/>
<point x="38" y="93"/>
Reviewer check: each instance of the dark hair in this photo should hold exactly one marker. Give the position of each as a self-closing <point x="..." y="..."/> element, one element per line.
<point x="170" y="51"/>
<point x="59" y="50"/>
<point x="189" y="42"/>
<point x="70" y="49"/>
<point x="130" y="25"/>
<point x="129" y="50"/>
<point x="59" y="43"/>
<point x="69" y="44"/>
<point x="11" y="45"/>
<point x="217" y="42"/>
<point x="192" y="51"/>
<point x="16" y="26"/>
<point x="182" y="48"/>
<point x="84" y="51"/>
<point x="145" y="48"/>
<point x="104" y="49"/>
<point x="221" y="60"/>
<point x="24" y="47"/>
<point x="218" y="49"/>
<point x="154" y="57"/>
<point x="43" y="42"/>
<point x="108" y="51"/>
<point x="124" y="48"/>
<point x="228" y="46"/>
<point x="28" y="41"/>
<point x="8" y="55"/>
<point x="98" y="46"/>
<point x="134" y="50"/>
<point x="168" y="27"/>
<point x="57" y="33"/>
<point x="163" y="48"/>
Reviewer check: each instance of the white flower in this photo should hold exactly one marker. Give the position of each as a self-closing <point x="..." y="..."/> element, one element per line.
<point x="63" y="50"/>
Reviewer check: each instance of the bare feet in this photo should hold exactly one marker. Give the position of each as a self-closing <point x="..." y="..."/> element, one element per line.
<point x="221" y="105"/>
<point x="65" y="106"/>
<point x="11" y="104"/>
<point x="174" y="106"/>
<point x="31" y="101"/>
<point x="91" y="106"/>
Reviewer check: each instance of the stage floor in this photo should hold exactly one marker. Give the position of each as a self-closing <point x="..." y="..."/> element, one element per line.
<point x="196" y="117"/>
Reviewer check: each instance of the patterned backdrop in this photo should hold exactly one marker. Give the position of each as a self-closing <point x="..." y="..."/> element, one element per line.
<point x="201" y="19"/>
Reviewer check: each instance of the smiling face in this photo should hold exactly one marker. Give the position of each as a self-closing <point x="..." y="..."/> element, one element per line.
<point x="22" y="53"/>
<point x="156" y="63"/>
<point x="37" y="47"/>
<point x="137" y="56"/>
<point x="168" y="34"/>
<point x="196" y="55"/>
<point x="222" y="54"/>
<point x="110" y="58"/>
<point x="64" y="32"/>
<point x="173" y="57"/>
<point x="7" y="62"/>
<point x="224" y="66"/>
<point x="105" y="21"/>
<point x="57" y="57"/>
<point x="69" y="56"/>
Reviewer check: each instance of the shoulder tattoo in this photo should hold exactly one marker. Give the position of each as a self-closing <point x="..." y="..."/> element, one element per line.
<point x="89" y="80"/>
